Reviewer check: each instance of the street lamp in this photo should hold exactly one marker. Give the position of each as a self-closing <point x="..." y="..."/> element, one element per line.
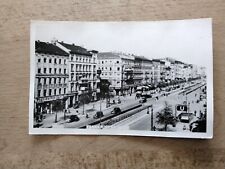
<point x="82" y="90"/>
<point x="152" y="127"/>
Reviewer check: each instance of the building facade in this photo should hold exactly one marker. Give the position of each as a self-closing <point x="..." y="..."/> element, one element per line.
<point x="51" y="76"/>
<point x="117" y="68"/>
<point x="82" y="67"/>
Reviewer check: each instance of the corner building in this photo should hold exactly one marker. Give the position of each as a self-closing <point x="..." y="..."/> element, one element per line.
<point x="51" y="76"/>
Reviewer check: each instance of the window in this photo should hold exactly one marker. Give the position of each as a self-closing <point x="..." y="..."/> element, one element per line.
<point x="110" y="68"/>
<point x="64" y="90"/>
<point x="39" y="70"/>
<point x="50" y="61"/>
<point x="105" y="68"/>
<point x="59" y="61"/>
<point x="54" y="91"/>
<point x="59" y="81"/>
<point x="64" y="61"/>
<point x="39" y="80"/>
<point x="55" y="70"/>
<point x="39" y="93"/>
<point x="44" y="70"/>
<point x="55" y="79"/>
<point x="39" y="60"/>
<point x="45" y="60"/>
<point x="50" y="92"/>
<point x="44" y="80"/>
<point x="117" y="61"/>
<point x="50" y="80"/>
<point x="72" y="67"/>
<point x="59" y="91"/>
<point x="55" y="61"/>
<point x="44" y="92"/>
<point x="60" y="71"/>
<point x="102" y="62"/>
<point x="50" y="70"/>
<point x="64" y="80"/>
<point x="118" y="68"/>
<point x="71" y="59"/>
<point x="64" y="71"/>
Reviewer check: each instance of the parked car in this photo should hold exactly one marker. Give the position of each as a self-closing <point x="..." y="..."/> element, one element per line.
<point x="98" y="114"/>
<point x="74" y="118"/>
<point x="198" y="126"/>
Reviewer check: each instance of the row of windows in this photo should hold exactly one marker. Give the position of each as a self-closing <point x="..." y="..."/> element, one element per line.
<point x="110" y="68"/>
<point x="52" y="71"/>
<point x="105" y="61"/>
<point x="82" y="68"/>
<point x="51" y="92"/>
<point x="110" y="74"/>
<point x="82" y="76"/>
<point x="53" y="80"/>
<point x="82" y="59"/>
<point x="51" y="60"/>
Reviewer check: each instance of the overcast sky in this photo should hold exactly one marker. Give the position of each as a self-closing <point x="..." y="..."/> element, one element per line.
<point x="188" y="40"/>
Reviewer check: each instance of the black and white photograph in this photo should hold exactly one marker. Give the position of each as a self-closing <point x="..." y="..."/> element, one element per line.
<point x="137" y="78"/>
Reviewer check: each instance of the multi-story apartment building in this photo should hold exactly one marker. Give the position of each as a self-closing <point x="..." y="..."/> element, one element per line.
<point x="51" y="75"/>
<point x="82" y="67"/>
<point x="117" y="68"/>
<point x="156" y="71"/>
<point x="143" y="71"/>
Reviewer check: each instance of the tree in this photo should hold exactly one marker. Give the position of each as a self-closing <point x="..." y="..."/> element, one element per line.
<point x="57" y="106"/>
<point x="166" y="116"/>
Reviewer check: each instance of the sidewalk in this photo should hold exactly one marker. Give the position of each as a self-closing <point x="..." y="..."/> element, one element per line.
<point x="89" y="109"/>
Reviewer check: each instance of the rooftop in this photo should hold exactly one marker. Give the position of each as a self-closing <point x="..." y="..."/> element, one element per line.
<point x="74" y="49"/>
<point x="48" y="48"/>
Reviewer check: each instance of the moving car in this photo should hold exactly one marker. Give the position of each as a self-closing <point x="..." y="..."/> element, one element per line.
<point x="185" y="117"/>
<point x="143" y="100"/>
<point x="74" y="118"/>
<point x="116" y="110"/>
<point x="98" y="115"/>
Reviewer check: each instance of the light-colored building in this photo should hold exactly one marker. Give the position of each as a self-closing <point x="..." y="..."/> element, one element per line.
<point x="156" y="71"/>
<point x="143" y="71"/>
<point x="117" y="68"/>
<point x="82" y="67"/>
<point x="51" y="76"/>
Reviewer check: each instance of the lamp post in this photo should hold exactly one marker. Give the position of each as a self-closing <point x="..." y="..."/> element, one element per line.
<point x="82" y="90"/>
<point x="152" y="127"/>
<point x="99" y="71"/>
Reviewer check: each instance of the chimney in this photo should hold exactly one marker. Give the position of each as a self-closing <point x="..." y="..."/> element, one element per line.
<point x="54" y="40"/>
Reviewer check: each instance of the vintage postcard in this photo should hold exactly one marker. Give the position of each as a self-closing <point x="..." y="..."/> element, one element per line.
<point x="150" y="78"/>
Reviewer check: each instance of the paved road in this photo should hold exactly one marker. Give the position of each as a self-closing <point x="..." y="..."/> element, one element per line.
<point x="91" y="109"/>
<point x="144" y="123"/>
